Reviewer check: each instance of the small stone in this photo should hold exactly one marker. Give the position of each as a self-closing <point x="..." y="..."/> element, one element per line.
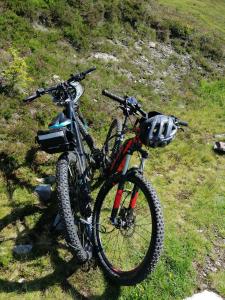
<point x="56" y="77"/>
<point x="44" y="192"/>
<point x="21" y="280"/>
<point x="213" y="269"/>
<point x="105" y="56"/>
<point x="22" y="249"/>
<point x="218" y="264"/>
<point x="152" y="44"/>
<point x="40" y="180"/>
<point x="204" y="286"/>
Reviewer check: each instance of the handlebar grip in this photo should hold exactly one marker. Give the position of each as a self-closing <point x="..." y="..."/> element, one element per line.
<point x="31" y="98"/>
<point x="89" y="70"/>
<point x="112" y="96"/>
<point x="182" y="123"/>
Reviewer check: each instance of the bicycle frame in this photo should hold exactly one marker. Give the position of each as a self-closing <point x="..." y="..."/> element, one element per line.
<point x="121" y="165"/>
<point x="71" y="113"/>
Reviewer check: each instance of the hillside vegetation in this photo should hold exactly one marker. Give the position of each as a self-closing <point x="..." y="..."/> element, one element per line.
<point x="167" y="53"/>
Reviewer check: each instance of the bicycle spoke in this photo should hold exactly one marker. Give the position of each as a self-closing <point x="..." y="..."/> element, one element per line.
<point x="142" y="237"/>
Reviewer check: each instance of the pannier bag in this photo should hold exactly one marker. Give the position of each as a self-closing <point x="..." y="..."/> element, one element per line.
<point x="54" y="140"/>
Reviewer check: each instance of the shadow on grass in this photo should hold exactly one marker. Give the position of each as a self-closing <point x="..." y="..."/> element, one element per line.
<point x="43" y="237"/>
<point x="9" y="165"/>
<point x="62" y="269"/>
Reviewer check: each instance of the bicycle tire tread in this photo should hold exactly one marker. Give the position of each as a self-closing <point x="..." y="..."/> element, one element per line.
<point x="65" y="210"/>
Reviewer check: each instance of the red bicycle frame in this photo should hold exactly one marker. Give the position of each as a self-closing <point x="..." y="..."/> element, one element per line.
<point x="120" y="165"/>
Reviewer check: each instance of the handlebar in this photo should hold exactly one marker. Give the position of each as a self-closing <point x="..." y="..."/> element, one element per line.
<point x="30" y="98"/>
<point x="113" y="96"/>
<point x="80" y="76"/>
<point x="38" y="94"/>
<point x="179" y="122"/>
<point x="125" y="102"/>
<point x="42" y="91"/>
<point x="182" y="123"/>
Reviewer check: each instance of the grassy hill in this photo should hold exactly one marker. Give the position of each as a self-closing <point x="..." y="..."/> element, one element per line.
<point x="170" y="55"/>
<point x="207" y="15"/>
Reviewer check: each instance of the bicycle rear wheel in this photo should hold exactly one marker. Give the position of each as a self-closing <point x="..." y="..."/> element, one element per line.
<point x="129" y="249"/>
<point x="112" y="142"/>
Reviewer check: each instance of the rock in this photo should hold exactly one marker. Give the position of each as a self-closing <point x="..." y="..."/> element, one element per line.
<point x="44" y="192"/>
<point x="152" y="44"/>
<point x="56" y="78"/>
<point x="218" y="264"/>
<point x="205" y="295"/>
<point x="213" y="269"/>
<point x="21" y="280"/>
<point x="47" y="180"/>
<point x="40" y="180"/>
<point x="22" y="249"/>
<point x="137" y="47"/>
<point x="203" y="286"/>
<point x="104" y="56"/>
<point x="40" y="27"/>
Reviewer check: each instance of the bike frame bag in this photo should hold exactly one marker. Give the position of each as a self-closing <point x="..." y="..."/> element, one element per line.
<point x="54" y="140"/>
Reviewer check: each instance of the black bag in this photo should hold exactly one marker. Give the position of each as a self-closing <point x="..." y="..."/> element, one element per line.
<point x="54" y="140"/>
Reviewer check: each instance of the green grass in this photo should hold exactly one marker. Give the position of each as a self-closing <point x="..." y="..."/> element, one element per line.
<point x="189" y="179"/>
<point x="209" y="15"/>
<point x="187" y="175"/>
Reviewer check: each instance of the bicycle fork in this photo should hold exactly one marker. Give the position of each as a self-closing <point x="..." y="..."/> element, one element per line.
<point x="120" y="189"/>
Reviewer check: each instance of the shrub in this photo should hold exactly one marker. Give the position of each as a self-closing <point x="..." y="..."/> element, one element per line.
<point x="14" y="29"/>
<point x="77" y="32"/>
<point x="211" y="48"/>
<point x="15" y="76"/>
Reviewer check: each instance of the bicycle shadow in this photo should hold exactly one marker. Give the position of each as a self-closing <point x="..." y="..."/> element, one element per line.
<point x="62" y="269"/>
<point x="42" y="230"/>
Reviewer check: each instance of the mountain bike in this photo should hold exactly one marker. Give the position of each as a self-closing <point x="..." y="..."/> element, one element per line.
<point x="125" y="229"/>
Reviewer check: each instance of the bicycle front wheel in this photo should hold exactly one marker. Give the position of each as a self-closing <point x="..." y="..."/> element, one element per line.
<point x="129" y="247"/>
<point x="66" y="178"/>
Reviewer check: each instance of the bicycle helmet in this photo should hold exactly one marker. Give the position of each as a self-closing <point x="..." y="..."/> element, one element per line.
<point x="157" y="131"/>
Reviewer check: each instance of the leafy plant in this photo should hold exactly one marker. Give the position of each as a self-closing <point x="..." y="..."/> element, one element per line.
<point x="15" y="76"/>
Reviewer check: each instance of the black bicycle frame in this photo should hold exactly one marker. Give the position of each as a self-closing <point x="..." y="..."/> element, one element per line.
<point x="72" y="114"/>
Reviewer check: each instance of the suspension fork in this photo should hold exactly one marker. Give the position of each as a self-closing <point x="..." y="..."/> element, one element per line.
<point x="120" y="189"/>
<point x="134" y="195"/>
